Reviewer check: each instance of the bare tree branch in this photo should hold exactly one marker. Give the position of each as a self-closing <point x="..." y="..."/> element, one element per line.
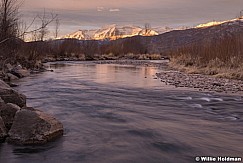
<point x="57" y="25"/>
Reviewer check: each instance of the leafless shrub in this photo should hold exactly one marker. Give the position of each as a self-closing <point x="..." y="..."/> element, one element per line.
<point x="223" y="58"/>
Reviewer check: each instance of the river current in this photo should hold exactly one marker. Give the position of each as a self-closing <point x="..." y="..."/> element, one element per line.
<point x="123" y="114"/>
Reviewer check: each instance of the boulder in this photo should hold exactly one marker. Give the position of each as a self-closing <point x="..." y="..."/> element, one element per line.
<point x="1" y="102"/>
<point x="3" y="132"/>
<point x="9" y="66"/>
<point x="11" y="76"/>
<point x="2" y="74"/>
<point x="12" y="84"/>
<point x="7" y="112"/>
<point x="20" y="73"/>
<point x="9" y="95"/>
<point x="33" y="127"/>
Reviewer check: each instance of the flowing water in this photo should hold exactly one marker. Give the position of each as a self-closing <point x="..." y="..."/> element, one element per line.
<point x="117" y="113"/>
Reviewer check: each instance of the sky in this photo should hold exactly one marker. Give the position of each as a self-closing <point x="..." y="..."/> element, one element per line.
<point x="93" y="14"/>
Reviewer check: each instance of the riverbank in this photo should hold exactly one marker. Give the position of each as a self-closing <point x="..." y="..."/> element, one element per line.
<point x="182" y="80"/>
<point x="20" y="124"/>
<point x="24" y="125"/>
<point x="13" y="72"/>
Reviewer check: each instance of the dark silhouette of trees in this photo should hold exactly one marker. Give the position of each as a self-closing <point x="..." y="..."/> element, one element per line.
<point x="9" y="18"/>
<point x="9" y="28"/>
<point x="13" y="31"/>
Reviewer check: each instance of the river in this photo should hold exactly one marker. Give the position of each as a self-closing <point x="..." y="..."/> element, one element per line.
<point x="120" y="114"/>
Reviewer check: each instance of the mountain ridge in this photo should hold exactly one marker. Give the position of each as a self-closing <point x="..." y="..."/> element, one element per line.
<point x="113" y="32"/>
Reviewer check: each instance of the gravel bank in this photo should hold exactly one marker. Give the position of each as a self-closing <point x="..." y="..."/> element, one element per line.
<point x="179" y="79"/>
<point x="201" y="82"/>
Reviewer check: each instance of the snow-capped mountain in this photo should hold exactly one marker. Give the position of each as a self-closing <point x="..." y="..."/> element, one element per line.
<point x="114" y="32"/>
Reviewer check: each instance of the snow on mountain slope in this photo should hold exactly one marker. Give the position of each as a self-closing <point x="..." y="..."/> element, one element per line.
<point x="111" y="32"/>
<point x="226" y="22"/>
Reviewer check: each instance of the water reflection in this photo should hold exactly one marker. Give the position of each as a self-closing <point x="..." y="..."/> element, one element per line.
<point x="126" y="75"/>
<point x="113" y="73"/>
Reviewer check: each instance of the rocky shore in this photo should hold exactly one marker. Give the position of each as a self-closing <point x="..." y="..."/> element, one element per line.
<point x="20" y="124"/>
<point x="14" y="72"/>
<point x="200" y="82"/>
<point x="23" y="125"/>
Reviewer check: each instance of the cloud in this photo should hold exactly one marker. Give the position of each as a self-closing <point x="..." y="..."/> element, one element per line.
<point x="114" y="10"/>
<point x="99" y="9"/>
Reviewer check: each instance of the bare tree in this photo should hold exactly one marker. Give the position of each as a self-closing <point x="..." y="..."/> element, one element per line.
<point x="43" y="32"/>
<point x="57" y="26"/>
<point x="34" y="35"/>
<point x="22" y="26"/>
<point x="9" y="16"/>
<point x="10" y="22"/>
<point x="12" y="30"/>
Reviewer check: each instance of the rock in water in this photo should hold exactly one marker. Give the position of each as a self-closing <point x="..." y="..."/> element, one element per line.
<point x="11" y="77"/>
<point x="20" y="73"/>
<point x="32" y="127"/>
<point x="7" y="112"/>
<point x="3" y="132"/>
<point x="9" y="95"/>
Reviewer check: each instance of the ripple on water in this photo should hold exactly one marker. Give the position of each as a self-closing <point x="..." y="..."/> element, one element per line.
<point x="217" y="99"/>
<point x="183" y="98"/>
<point x="238" y="99"/>
<point x="211" y="99"/>
<point x="196" y="105"/>
<point x="205" y="99"/>
<point x="231" y="118"/>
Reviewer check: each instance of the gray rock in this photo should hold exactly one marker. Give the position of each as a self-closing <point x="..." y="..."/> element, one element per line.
<point x="20" y="73"/>
<point x="11" y="76"/>
<point x="18" y="66"/>
<point x="9" y="66"/>
<point x="3" y="132"/>
<point x="9" y="95"/>
<point x="12" y="84"/>
<point x="1" y="102"/>
<point x="7" y="112"/>
<point x="32" y="127"/>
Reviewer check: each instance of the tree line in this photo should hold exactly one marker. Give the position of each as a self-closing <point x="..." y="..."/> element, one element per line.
<point x="14" y="32"/>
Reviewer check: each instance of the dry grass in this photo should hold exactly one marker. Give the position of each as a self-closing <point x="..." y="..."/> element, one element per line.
<point x="221" y="59"/>
<point x="149" y="57"/>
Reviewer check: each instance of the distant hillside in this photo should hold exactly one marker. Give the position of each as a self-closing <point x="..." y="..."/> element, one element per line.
<point x="202" y="34"/>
